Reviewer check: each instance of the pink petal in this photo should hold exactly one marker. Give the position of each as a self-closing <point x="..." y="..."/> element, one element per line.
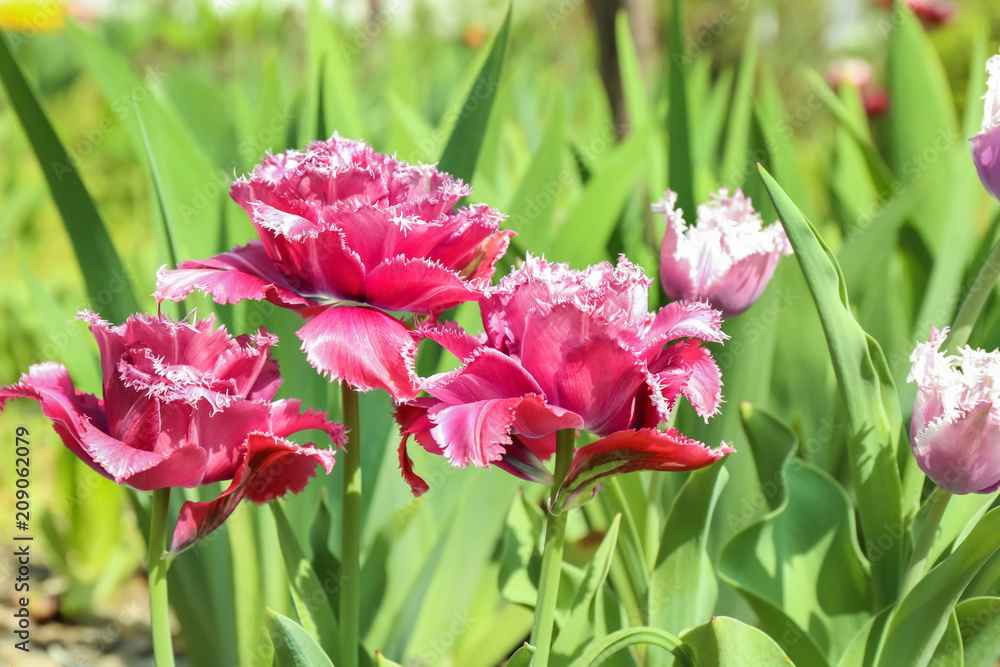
<point x="249" y="365"/>
<point x="581" y="369"/>
<point x="243" y="273"/>
<point x="628" y="451"/>
<point x="675" y="267"/>
<point x="182" y="467"/>
<point x="689" y="369"/>
<point x="417" y="485"/>
<point x="413" y="420"/>
<point x="475" y="432"/>
<point x="535" y="420"/>
<point x="684" y="319"/>
<point x="429" y="287"/>
<point x="453" y="338"/>
<point x="287" y="419"/>
<point x="271" y="467"/>
<point x="738" y="289"/>
<point x="322" y="265"/>
<point x="962" y="455"/>
<point x="488" y="374"/>
<point x="364" y="347"/>
<point x="521" y="461"/>
<point x="69" y="409"/>
<point x="117" y="459"/>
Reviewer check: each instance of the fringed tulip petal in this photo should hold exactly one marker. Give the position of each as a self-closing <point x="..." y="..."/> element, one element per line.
<point x="230" y="277"/>
<point x="955" y="431"/>
<point x="416" y="286"/>
<point x="271" y="467"/>
<point x="628" y="451"/>
<point x="363" y="347"/>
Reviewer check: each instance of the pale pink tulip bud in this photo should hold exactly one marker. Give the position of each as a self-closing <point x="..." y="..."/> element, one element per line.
<point x="726" y="258"/>
<point x="955" y="433"/>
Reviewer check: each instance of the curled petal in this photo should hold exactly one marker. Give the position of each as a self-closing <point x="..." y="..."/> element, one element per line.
<point x="476" y="433"/>
<point x="363" y="347"/>
<point x="453" y="338"/>
<point x="686" y="368"/>
<point x="429" y="287"/>
<point x="628" y="451"/>
<point x="488" y="374"/>
<point x="271" y="467"/>
<point x="684" y="319"/>
<point x="417" y="485"/>
<point x="69" y="409"/>
<point x="244" y="273"/>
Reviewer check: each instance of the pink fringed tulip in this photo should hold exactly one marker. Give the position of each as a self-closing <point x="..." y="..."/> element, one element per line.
<point x="347" y="234"/>
<point x="183" y="406"/>
<point x="567" y="349"/>
<point x="986" y="144"/>
<point x="725" y="259"/>
<point x="955" y="433"/>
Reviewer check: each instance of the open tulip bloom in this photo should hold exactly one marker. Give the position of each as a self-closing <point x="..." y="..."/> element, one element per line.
<point x="342" y="229"/>
<point x="567" y="349"/>
<point x="183" y="405"/>
<point x="726" y="258"/>
<point x="955" y="432"/>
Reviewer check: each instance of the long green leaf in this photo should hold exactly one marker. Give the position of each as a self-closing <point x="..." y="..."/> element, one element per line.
<point x="681" y="165"/>
<point x="308" y="594"/>
<point x="682" y="587"/>
<point x="979" y="623"/>
<point x="108" y="284"/>
<point x="868" y="394"/>
<point x="462" y="150"/>
<point x="727" y="642"/>
<point x="923" y="615"/>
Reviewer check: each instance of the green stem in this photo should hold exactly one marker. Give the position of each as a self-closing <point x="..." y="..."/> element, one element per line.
<point x="918" y="561"/>
<point x="552" y="554"/>
<point x="159" y="605"/>
<point x="974" y="301"/>
<point x="350" y="562"/>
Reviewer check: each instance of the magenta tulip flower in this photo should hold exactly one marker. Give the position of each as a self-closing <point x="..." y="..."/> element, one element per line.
<point x="986" y="144"/>
<point x="726" y="259"/>
<point x="567" y="349"/>
<point x="348" y="236"/>
<point x="955" y="432"/>
<point x="184" y="405"/>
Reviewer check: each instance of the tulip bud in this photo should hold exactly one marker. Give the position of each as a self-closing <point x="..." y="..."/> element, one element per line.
<point x="726" y="259"/>
<point x="955" y="433"/>
<point x="986" y="144"/>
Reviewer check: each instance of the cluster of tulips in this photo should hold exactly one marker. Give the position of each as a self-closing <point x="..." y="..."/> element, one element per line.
<point x="372" y="252"/>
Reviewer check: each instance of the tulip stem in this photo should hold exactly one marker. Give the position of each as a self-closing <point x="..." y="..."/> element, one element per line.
<point x="918" y="561"/>
<point x="552" y="555"/>
<point x="350" y="563"/>
<point x="159" y="605"/>
<point x="974" y="302"/>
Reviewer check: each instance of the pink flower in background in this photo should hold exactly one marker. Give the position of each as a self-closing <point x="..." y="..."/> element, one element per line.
<point x="184" y="405"/>
<point x="569" y="349"/>
<point x="955" y="432"/>
<point x="726" y="258"/>
<point x="931" y="12"/>
<point x="986" y="144"/>
<point x="859" y="73"/>
<point x="347" y="234"/>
